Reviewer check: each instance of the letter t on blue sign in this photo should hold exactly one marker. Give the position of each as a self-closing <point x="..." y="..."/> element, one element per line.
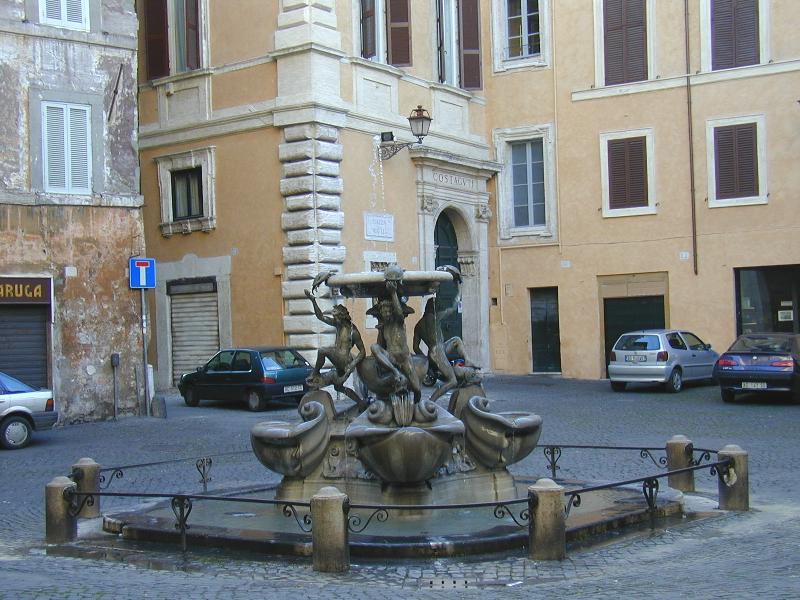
<point x="142" y="272"/>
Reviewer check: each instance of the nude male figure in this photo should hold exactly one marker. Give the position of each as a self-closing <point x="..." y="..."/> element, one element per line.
<point x="347" y="336"/>
<point x="393" y="352"/>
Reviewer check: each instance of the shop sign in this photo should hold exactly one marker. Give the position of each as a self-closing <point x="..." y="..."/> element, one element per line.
<point x="24" y="290"/>
<point x="785" y="315"/>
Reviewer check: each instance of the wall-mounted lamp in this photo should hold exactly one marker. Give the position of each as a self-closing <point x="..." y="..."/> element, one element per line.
<point x="420" y="122"/>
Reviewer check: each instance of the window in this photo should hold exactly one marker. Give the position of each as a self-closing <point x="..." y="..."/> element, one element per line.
<point x="458" y="43"/>
<point x="390" y="42"/>
<point x="221" y="362"/>
<point x="625" y="41"/>
<point x="675" y="341"/>
<point x="70" y="14"/>
<point x="737" y="161"/>
<point x="186" y="182"/>
<point x="187" y="193"/>
<point x="173" y="36"/>
<point x="527" y="192"/>
<point x="520" y="34"/>
<point x="734" y="33"/>
<point x="527" y="174"/>
<point x="694" y="342"/>
<point x="627" y="173"/>
<point x="522" y="28"/>
<point x="66" y="148"/>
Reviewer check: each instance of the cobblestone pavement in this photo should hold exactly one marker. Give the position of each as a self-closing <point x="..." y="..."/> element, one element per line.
<point x="737" y="555"/>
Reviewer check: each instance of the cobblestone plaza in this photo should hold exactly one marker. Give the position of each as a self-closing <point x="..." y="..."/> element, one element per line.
<point x="735" y="555"/>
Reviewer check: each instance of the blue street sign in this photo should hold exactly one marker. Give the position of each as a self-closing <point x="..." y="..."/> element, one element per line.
<point x="142" y="272"/>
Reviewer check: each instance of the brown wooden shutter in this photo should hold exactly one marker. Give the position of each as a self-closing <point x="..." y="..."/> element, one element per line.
<point x="156" y="46"/>
<point x="734" y="33"/>
<point x="470" y="44"/>
<point x="627" y="173"/>
<point x="398" y="32"/>
<point x="367" y="28"/>
<point x="192" y="34"/>
<point x="625" y="40"/>
<point x="736" y="161"/>
<point x="440" y="50"/>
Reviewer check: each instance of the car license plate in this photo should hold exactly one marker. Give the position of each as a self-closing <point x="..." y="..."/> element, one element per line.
<point x="292" y="388"/>
<point x="635" y="358"/>
<point x="754" y="385"/>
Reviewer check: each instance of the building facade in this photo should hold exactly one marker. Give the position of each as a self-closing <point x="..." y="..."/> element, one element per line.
<point x="70" y="210"/>
<point x="591" y="167"/>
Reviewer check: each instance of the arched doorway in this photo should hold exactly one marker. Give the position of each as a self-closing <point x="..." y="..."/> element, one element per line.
<point x="446" y="244"/>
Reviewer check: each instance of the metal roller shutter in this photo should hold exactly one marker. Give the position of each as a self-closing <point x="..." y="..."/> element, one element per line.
<point x="195" y="331"/>
<point x="23" y="343"/>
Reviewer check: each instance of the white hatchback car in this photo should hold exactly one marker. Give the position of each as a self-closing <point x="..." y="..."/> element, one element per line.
<point x="667" y="356"/>
<point x="23" y="409"/>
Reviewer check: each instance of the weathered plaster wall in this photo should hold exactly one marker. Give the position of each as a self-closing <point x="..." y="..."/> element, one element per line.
<point x="82" y="242"/>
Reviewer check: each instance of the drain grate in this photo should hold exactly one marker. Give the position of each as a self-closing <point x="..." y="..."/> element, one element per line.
<point x="448" y="584"/>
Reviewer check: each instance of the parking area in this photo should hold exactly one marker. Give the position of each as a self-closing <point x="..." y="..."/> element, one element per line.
<point x="744" y="555"/>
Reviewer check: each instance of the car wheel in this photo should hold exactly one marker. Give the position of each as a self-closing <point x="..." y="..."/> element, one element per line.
<point x="675" y="381"/>
<point x="727" y="395"/>
<point x="190" y="397"/>
<point x="15" y="433"/>
<point x="254" y="402"/>
<point x="618" y="386"/>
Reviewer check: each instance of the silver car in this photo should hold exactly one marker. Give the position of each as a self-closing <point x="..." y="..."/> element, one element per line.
<point x="667" y="356"/>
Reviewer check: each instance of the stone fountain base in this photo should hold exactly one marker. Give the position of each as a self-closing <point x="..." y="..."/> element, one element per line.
<point x="264" y="528"/>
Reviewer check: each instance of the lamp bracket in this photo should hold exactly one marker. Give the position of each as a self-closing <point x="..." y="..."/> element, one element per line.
<point x="387" y="150"/>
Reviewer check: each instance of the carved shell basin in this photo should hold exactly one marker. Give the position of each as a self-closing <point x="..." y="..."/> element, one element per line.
<point x="498" y="439"/>
<point x="373" y="284"/>
<point x="292" y="449"/>
<point x="405" y="454"/>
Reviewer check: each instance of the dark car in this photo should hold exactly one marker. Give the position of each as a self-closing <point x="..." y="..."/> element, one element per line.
<point x="760" y="362"/>
<point x="251" y="375"/>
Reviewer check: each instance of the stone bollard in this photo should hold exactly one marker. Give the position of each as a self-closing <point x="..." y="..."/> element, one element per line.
<point x="547" y="533"/>
<point x="86" y="474"/>
<point x="60" y="526"/>
<point x="680" y="456"/>
<point x="329" y="535"/>
<point x="734" y="489"/>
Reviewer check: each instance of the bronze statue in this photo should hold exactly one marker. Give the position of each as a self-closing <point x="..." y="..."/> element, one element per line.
<point x="392" y="351"/>
<point x="340" y="356"/>
<point x="428" y="330"/>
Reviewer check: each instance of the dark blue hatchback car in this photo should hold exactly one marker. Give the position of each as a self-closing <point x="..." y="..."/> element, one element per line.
<point x="251" y="375"/>
<point x="760" y="362"/>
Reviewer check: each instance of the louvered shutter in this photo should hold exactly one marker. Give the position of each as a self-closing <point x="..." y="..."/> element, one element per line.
<point x="54" y="130"/>
<point x="627" y="173"/>
<point x="747" y="40"/>
<point x="367" y="28"/>
<point x="52" y="10"/>
<point x="156" y="45"/>
<point x="734" y="33"/>
<point x="625" y="41"/>
<point x="470" y="44"/>
<point x="192" y="50"/>
<point x="398" y="28"/>
<point x="736" y="161"/>
<point x="79" y="150"/>
<point x="75" y="12"/>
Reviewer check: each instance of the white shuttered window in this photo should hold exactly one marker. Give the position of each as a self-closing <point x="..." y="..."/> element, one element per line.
<point x="72" y="14"/>
<point x="66" y="147"/>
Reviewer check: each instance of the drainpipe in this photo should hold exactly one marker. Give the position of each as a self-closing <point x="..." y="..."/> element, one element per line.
<point x="691" y="131"/>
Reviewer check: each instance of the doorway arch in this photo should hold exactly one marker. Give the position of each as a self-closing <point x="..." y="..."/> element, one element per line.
<point x="446" y="244"/>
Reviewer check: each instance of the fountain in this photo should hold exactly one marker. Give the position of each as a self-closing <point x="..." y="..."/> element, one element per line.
<point x="441" y="472"/>
<point x="392" y="446"/>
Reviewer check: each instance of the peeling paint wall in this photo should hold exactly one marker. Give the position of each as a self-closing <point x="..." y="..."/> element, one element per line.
<point x="82" y="242"/>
